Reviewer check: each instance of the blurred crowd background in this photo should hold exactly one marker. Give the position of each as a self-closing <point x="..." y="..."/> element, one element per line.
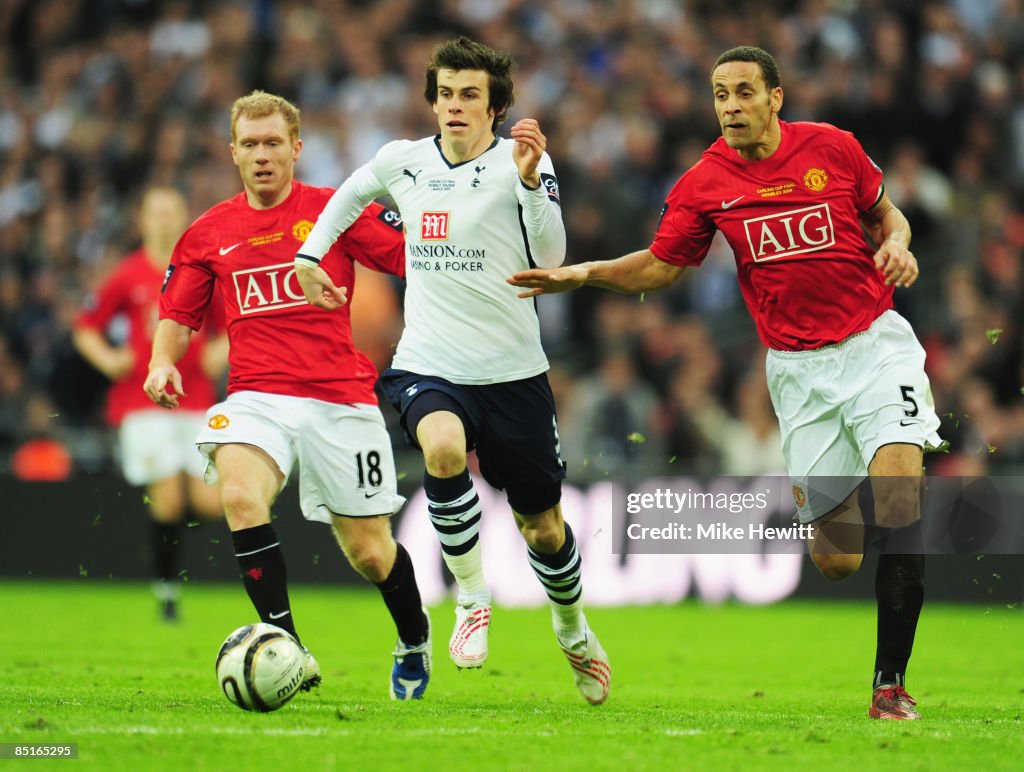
<point x="102" y="98"/>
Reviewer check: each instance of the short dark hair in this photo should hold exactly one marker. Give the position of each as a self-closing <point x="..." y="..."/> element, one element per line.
<point x="769" y="69"/>
<point x="462" y="53"/>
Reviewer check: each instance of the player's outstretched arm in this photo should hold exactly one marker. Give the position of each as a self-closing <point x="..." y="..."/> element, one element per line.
<point x="636" y="272"/>
<point x="163" y="382"/>
<point x="318" y="287"/>
<point x="890" y="229"/>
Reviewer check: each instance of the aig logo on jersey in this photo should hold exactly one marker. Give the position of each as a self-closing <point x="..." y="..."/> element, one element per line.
<point x="433" y="226"/>
<point x="790" y="233"/>
<point x="267" y="288"/>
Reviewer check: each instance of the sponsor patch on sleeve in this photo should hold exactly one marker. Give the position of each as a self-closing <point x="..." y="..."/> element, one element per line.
<point x="390" y="218"/>
<point x="167" y="276"/>
<point x="550" y="183"/>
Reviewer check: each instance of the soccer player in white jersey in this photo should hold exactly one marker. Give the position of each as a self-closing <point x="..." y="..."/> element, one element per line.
<point x="469" y="371"/>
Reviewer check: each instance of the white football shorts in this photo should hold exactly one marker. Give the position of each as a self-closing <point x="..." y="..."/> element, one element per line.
<point x="157" y="444"/>
<point x="346" y="466"/>
<point x="837" y="405"/>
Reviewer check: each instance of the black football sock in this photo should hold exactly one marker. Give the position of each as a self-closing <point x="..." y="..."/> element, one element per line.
<point x="264" y="574"/>
<point x="167" y="538"/>
<point x="402" y="597"/>
<point x="899" y="590"/>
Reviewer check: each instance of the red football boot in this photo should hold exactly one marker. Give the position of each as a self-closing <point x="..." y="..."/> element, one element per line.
<point x="893" y="702"/>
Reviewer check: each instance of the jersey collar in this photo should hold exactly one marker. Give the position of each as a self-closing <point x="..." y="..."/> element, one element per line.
<point x="437" y="144"/>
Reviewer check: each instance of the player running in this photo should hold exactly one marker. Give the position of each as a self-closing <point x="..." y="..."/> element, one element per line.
<point x="299" y="392"/>
<point x="845" y="372"/>
<point x="469" y="371"/>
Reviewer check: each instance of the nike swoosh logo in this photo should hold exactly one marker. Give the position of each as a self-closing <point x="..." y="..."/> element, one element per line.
<point x="907" y="423"/>
<point x="278" y="616"/>
<point x="371" y="495"/>
<point x="225" y="250"/>
<point x="735" y="200"/>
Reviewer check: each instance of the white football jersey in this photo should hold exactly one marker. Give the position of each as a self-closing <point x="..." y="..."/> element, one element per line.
<point x="468" y="227"/>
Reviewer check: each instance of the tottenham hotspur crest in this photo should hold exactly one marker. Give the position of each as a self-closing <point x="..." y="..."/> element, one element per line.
<point x="476" y="180"/>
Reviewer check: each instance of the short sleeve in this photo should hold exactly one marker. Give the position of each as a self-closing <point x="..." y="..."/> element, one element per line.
<point x="866" y="173"/>
<point x="376" y="240"/>
<point x="684" y="234"/>
<point x="188" y="284"/>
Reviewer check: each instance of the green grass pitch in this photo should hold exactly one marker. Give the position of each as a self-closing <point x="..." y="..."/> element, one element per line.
<point x="731" y="687"/>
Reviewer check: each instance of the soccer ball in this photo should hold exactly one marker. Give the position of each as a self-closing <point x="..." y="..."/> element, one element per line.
<point x="260" y="667"/>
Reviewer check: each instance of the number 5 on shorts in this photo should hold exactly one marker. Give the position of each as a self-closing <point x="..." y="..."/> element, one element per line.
<point x="908" y="396"/>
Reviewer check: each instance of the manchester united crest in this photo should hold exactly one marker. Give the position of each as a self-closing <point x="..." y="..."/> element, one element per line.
<point x="799" y="497"/>
<point x="816" y="179"/>
<point x="301" y="229"/>
<point x="219" y="421"/>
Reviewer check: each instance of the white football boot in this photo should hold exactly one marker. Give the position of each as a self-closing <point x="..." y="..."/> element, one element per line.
<point x="468" y="644"/>
<point x="590" y="666"/>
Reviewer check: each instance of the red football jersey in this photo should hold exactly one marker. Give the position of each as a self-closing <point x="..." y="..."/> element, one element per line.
<point x="132" y="291"/>
<point x="793" y="222"/>
<point x="279" y="344"/>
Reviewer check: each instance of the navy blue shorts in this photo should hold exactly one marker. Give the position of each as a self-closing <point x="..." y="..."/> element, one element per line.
<point x="511" y="425"/>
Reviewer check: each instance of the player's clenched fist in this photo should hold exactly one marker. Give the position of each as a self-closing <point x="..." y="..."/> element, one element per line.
<point x="897" y="264"/>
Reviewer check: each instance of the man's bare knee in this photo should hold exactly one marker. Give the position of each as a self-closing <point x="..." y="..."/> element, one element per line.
<point x="443" y="439"/>
<point x="445" y="457"/>
<point x="836" y="567"/>
<point x="242" y="509"/>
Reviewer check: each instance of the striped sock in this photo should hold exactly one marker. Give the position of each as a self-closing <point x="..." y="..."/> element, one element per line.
<point x="455" y="514"/>
<point x="560" y="574"/>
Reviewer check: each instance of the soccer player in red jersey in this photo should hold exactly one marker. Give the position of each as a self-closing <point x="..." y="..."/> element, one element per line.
<point x="157" y="449"/>
<point x="845" y="371"/>
<point x="299" y="392"/>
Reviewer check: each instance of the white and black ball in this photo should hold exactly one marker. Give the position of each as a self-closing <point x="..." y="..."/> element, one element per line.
<point x="260" y="667"/>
